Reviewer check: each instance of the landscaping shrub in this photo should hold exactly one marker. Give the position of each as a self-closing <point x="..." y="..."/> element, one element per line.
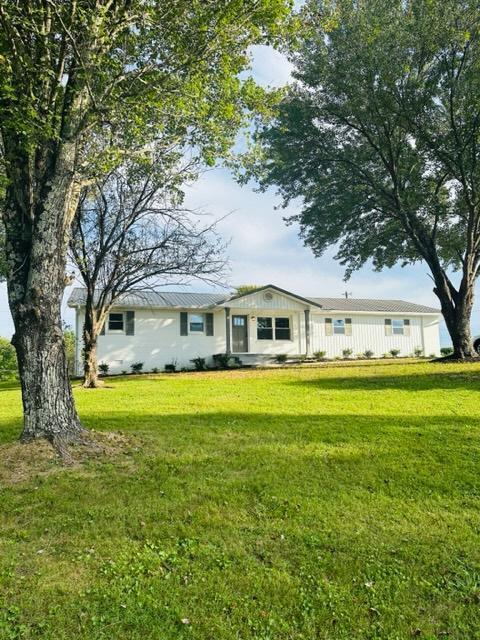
<point x="104" y="368"/>
<point x="199" y="364"/>
<point x="418" y="352"/>
<point x="368" y="353"/>
<point x="136" y="367"/>
<point x="446" y="351"/>
<point x="8" y="360"/>
<point x="394" y="352"/>
<point x="171" y="367"/>
<point x="154" y="369"/>
<point x="346" y="353"/>
<point x="221" y="360"/>
<point x="319" y="355"/>
<point x="281" y="358"/>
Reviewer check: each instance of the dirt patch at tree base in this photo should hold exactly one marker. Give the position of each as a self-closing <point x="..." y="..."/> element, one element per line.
<point x="21" y="462"/>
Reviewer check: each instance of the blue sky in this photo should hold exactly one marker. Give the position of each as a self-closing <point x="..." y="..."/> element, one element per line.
<point x="264" y="250"/>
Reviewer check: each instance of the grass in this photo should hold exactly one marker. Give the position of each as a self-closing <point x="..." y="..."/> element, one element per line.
<point x="340" y="502"/>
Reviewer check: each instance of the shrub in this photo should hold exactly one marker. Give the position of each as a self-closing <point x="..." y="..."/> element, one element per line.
<point x="199" y="364"/>
<point x="222" y="360"/>
<point x="136" y="367"/>
<point x="281" y="358"/>
<point x="124" y="373"/>
<point x="446" y="351"/>
<point x="394" y="352"/>
<point x="170" y="368"/>
<point x="154" y="369"/>
<point x="8" y="360"/>
<point x="418" y="352"/>
<point x="319" y="355"/>
<point x="368" y="353"/>
<point x="346" y="353"/>
<point x="104" y="368"/>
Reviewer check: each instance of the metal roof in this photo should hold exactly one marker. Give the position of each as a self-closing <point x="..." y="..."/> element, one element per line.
<point x="155" y="299"/>
<point x="373" y="305"/>
<point x="184" y="300"/>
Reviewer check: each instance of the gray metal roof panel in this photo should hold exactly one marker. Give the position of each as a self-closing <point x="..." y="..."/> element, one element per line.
<point x="373" y="305"/>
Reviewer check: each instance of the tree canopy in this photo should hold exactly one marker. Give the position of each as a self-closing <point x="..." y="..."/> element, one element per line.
<point x="377" y="138"/>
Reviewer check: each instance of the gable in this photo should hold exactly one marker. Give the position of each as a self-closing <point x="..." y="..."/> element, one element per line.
<point x="267" y="298"/>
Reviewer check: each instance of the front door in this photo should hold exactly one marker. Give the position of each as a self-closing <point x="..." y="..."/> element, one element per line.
<point x="239" y="334"/>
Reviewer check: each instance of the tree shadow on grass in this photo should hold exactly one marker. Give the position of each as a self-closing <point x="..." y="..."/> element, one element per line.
<point x="468" y="380"/>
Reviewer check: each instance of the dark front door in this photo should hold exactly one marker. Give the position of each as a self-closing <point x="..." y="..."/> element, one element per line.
<point x="239" y="334"/>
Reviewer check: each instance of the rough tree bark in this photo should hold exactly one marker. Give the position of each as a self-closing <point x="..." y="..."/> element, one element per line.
<point x="36" y="258"/>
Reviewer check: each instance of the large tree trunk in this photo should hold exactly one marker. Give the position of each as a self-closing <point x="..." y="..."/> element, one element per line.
<point x="457" y="311"/>
<point x="37" y="238"/>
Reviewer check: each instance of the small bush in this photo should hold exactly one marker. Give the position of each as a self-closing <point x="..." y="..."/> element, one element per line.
<point x="199" y="364"/>
<point x="124" y="373"/>
<point x="446" y="351"/>
<point x="319" y="355"/>
<point x="346" y="353"/>
<point x="154" y="369"/>
<point x="418" y="352"/>
<point x="136" y="367"/>
<point x="222" y="360"/>
<point x="104" y="368"/>
<point x="368" y="353"/>
<point x="394" y="352"/>
<point x="170" y="368"/>
<point x="281" y="358"/>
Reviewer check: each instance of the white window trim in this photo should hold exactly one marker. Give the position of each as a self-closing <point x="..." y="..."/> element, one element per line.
<point x="116" y="331"/>
<point x="274" y="331"/>
<point x="197" y="333"/>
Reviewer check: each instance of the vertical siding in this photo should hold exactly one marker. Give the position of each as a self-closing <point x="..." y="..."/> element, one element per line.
<point x="256" y="301"/>
<point x="294" y="346"/>
<point x="368" y="332"/>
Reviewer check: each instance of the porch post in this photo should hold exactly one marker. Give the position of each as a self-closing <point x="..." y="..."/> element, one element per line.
<point x="307" y="331"/>
<point x="227" y="331"/>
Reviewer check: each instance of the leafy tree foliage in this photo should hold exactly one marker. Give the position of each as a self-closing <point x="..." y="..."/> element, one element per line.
<point x="378" y="138"/>
<point x="8" y="360"/>
<point x="242" y="289"/>
<point x="74" y="73"/>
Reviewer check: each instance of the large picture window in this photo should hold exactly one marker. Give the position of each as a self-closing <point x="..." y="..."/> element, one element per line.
<point x="282" y="328"/>
<point x="264" y="329"/>
<point x="116" y="322"/>
<point x="196" y="322"/>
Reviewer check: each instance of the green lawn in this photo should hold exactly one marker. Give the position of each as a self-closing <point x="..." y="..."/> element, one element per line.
<point x="340" y="502"/>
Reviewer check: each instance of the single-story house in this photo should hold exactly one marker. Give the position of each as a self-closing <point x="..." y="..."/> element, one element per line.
<point x="159" y="328"/>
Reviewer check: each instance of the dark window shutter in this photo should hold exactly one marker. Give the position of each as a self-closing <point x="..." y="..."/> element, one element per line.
<point x="130" y="323"/>
<point x="183" y="323"/>
<point x="209" y="324"/>
<point x="406" y="327"/>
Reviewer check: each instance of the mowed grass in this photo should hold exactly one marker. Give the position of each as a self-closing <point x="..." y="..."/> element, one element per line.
<point x="337" y="502"/>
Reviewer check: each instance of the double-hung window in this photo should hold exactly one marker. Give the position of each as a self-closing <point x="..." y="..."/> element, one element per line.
<point x="397" y="327"/>
<point x="282" y="328"/>
<point x="264" y="329"/>
<point x="196" y="322"/>
<point x="116" y="322"/>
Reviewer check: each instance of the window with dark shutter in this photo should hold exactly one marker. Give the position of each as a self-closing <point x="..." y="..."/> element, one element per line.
<point x="183" y="323"/>
<point x="130" y="323"/>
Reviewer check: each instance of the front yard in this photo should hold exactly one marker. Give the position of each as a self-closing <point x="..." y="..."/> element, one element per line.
<point x="329" y="503"/>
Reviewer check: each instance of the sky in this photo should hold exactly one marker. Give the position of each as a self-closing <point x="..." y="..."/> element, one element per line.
<point x="264" y="250"/>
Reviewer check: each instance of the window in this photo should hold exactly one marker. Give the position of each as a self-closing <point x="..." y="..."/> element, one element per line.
<point x="196" y="322"/>
<point x="339" y="326"/>
<point x="264" y="329"/>
<point x="115" y="322"/>
<point x="398" y="327"/>
<point x="238" y="321"/>
<point x="282" y="328"/>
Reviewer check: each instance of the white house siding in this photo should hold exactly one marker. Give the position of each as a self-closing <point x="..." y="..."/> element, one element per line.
<point x="257" y="301"/>
<point x="431" y="335"/>
<point x="368" y="332"/>
<point x="157" y="341"/>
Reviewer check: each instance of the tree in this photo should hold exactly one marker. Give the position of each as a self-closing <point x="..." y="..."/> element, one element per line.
<point x="130" y="233"/>
<point x="378" y="137"/>
<point x="243" y="289"/>
<point x="8" y="360"/>
<point x="74" y="71"/>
